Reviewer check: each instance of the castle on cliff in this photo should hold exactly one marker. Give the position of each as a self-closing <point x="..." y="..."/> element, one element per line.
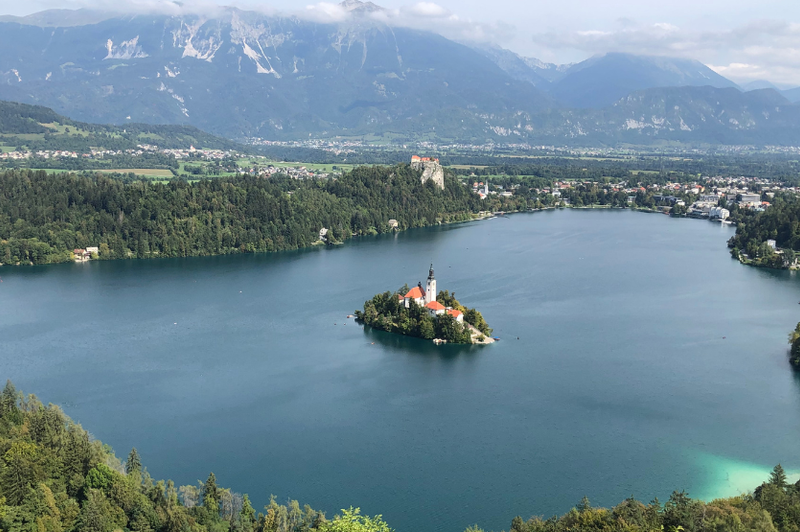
<point x="431" y="169"/>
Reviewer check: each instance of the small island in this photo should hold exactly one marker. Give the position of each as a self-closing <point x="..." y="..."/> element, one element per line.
<point x="415" y="312"/>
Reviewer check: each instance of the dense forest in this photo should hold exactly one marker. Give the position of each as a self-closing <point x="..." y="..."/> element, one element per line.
<point x="387" y="312"/>
<point x="54" y="477"/>
<point x="124" y="160"/>
<point x="44" y="217"/>
<point x="781" y="222"/>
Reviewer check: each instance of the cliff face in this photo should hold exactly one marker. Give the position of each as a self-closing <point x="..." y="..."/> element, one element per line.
<point x="431" y="170"/>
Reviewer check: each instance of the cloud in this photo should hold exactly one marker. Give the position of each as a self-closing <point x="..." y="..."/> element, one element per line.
<point x="161" y="7"/>
<point x="325" y="12"/>
<point x="427" y="9"/>
<point x="762" y="49"/>
<point x="426" y="16"/>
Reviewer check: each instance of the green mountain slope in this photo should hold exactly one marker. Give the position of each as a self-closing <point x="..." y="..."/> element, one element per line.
<point x="35" y="127"/>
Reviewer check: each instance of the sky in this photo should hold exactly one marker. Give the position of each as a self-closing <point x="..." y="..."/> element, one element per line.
<point x="744" y="40"/>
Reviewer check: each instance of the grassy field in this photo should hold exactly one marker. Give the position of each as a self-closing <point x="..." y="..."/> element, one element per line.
<point x="51" y="170"/>
<point x="144" y="172"/>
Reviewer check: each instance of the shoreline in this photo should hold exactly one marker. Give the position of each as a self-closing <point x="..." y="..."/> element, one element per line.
<point x="480" y="216"/>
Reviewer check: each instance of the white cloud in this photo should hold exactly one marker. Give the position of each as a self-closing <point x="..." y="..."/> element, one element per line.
<point x="427" y="16"/>
<point x="325" y="12"/>
<point x="427" y="9"/>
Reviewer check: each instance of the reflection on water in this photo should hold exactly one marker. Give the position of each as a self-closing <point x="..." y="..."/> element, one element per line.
<point x="398" y="343"/>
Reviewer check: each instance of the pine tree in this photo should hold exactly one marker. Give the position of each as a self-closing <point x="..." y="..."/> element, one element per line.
<point x="211" y="497"/>
<point x="584" y="504"/>
<point x="9" y="410"/>
<point x="247" y="516"/>
<point x="20" y="471"/>
<point x="778" y="477"/>
<point x="134" y="463"/>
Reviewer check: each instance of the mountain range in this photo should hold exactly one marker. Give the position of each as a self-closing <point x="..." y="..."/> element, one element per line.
<point x="243" y="74"/>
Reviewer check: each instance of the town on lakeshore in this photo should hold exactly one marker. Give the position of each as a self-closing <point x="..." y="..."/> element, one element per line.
<point x="423" y="312"/>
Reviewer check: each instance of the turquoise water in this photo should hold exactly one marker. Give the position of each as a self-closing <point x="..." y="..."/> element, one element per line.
<point x="647" y="361"/>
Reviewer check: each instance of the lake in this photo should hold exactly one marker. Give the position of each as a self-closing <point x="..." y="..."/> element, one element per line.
<point x="636" y="357"/>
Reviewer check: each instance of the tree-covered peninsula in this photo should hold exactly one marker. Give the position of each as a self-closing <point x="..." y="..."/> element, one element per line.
<point x="43" y="218"/>
<point x="414" y="312"/>
<point x="794" y="352"/>
<point x="780" y="223"/>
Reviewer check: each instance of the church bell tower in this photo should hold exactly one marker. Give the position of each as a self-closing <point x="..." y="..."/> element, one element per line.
<point x="430" y="287"/>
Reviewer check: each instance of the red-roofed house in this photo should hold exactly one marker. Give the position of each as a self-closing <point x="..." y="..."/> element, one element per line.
<point x="435" y="308"/>
<point x="416" y="294"/>
<point x="457" y="314"/>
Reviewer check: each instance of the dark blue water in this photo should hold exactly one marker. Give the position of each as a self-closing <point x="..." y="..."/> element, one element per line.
<point x="620" y="382"/>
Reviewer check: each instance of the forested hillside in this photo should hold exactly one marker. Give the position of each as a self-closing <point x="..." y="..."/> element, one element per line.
<point x="54" y="477"/>
<point x="34" y="127"/>
<point x="780" y="222"/>
<point x="43" y="218"/>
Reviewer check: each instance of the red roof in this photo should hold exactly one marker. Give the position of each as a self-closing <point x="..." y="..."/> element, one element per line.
<point x="453" y="312"/>
<point x="399" y="297"/>
<point x="415" y="293"/>
<point x="435" y="305"/>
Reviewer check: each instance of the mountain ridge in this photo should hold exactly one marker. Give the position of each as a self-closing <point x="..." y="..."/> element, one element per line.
<point x="247" y="74"/>
<point x="244" y="74"/>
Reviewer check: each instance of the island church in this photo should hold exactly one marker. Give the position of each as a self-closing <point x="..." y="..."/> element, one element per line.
<point x="426" y="297"/>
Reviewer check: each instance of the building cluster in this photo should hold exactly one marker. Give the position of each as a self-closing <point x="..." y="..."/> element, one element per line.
<point x="103" y="154"/>
<point x="426" y="297"/>
<point x="295" y="172"/>
<point x="83" y="255"/>
<point x="192" y="153"/>
<point x="42" y="154"/>
<point x="346" y="145"/>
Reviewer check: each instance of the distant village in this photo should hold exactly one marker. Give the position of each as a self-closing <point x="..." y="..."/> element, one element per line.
<point x="142" y="149"/>
<point x="347" y="145"/>
<point x="705" y="199"/>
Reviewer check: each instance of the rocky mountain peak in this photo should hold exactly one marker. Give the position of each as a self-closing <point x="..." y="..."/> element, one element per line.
<point x="359" y="7"/>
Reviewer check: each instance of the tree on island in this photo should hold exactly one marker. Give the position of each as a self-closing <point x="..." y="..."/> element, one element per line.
<point x="387" y="312"/>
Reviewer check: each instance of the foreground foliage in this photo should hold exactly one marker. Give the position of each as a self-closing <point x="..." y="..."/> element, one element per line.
<point x="773" y="507"/>
<point x="388" y="313"/>
<point x="44" y="217"/>
<point x="54" y="477"/>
